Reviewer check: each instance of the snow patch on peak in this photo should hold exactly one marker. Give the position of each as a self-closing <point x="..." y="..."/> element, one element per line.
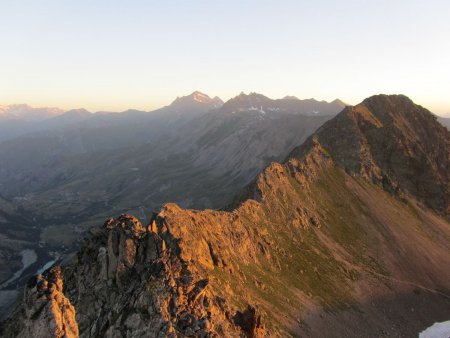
<point x="200" y="97"/>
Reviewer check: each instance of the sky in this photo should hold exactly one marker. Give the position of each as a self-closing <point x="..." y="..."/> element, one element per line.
<point x="115" y="55"/>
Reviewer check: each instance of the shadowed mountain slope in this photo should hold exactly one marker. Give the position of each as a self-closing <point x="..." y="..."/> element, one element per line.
<point x="336" y="241"/>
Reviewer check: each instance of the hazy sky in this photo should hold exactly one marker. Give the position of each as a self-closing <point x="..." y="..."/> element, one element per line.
<point x="113" y="55"/>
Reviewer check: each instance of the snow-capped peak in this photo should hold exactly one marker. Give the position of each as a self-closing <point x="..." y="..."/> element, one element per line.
<point x="200" y="97"/>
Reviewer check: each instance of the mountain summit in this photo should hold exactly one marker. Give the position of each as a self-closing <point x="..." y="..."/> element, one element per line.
<point x="393" y="142"/>
<point x="336" y="241"/>
<point x="196" y="100"/>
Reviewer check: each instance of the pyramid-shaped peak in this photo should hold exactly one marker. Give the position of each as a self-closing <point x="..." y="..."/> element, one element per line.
<point x="339" y="102"/>
<point x="197" y="97"/>
<point x="200" y="97"/>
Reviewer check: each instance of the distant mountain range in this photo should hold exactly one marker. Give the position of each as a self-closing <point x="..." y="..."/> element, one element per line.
<point x="347" y="236"/>
<point x="17" y="120"/>
<point x="21" y="119"/>
<point x="24" y="112"/>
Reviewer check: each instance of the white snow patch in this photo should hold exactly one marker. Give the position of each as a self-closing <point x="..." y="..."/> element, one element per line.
<point x="199" y="97"/>
<point x="437" y="330"/>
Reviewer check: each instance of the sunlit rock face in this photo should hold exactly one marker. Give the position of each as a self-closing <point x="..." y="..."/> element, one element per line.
<point x="47" y="312"/>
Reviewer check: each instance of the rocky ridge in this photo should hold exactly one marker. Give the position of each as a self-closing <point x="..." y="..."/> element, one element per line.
<point x="316" y="246"/>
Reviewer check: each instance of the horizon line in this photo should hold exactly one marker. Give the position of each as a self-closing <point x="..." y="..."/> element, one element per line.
<point x="167" y="104"/>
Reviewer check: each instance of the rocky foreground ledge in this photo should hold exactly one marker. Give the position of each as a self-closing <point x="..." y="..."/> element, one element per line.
<point x="127" y="281"/>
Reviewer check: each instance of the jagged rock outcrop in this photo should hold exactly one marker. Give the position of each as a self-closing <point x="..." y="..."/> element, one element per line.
<point x="46" y="311"/>
<point x="321" y="245"/>
<point x="131" y="281"/>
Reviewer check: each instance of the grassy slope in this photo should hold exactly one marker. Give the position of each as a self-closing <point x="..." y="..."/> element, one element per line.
<point x="334" y="262"/>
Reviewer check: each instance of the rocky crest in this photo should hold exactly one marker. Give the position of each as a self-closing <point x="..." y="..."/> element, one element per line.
<point x="393" y="142"/>
<point x="320" y="245"/>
